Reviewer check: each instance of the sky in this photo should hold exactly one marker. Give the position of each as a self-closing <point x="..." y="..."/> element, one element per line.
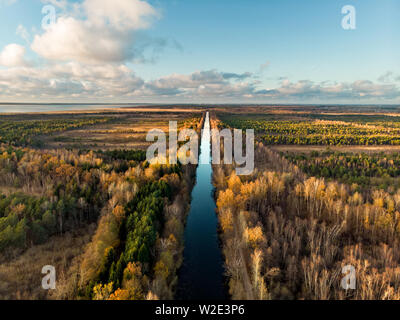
<point x="208" y="51"/>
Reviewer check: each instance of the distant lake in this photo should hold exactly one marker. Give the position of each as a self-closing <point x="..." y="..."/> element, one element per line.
<point x="21" y="108"/>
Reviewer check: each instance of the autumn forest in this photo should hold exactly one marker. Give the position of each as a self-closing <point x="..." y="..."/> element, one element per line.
<point x="78" y="193"/>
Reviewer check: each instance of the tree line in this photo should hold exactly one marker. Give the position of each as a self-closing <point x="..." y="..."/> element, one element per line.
<point x="365" y="170"/>
<point x="317" y="132"/>
<point x="23" y="132"/>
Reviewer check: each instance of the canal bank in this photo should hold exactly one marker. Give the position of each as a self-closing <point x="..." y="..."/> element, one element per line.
<point x="201" y="275"/>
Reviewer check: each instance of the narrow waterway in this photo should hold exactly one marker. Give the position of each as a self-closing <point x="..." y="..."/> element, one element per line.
<point x="201" y="276"/>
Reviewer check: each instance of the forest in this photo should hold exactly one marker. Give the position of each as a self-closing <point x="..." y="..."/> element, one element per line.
<point x="23" y="132"/>
<point x="365" y="170"/>
<point x="123" y="218"/>
<point x="54" y="193"/>
<point x="290" y="228"/>
<point x="292" y="235"/>
<point x="113" y="224"/>
<point x="317" y="132"/>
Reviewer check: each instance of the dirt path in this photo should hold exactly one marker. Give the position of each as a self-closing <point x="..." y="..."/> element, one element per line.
<point x="245" y="271"/>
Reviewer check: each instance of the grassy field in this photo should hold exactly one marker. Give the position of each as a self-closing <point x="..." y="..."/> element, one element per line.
<point x="89" y="130"/>
<point x="126" y="130"/>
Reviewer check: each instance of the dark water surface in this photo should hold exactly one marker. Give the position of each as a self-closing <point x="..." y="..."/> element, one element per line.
<point x="201" y="276"/>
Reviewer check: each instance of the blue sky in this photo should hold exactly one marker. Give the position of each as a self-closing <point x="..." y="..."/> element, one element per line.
<point x="299" y="38"/>
<point x="275" y="51"/>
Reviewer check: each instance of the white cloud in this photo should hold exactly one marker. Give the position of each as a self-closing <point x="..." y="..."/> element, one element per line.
<point x="117" y="82"/>
<point x="70" y="79"/>
<point x="70" y="40"/>
<point x="121" y="15"/>
<point x="326" y="91"/>
<point x="107" y="33"/>
<point x="13" y="55"/>
<point x="199" y="83"/>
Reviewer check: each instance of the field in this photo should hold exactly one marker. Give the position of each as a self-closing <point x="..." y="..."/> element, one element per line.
<point x="106" y="130"/>
<point x="125" y="130"/>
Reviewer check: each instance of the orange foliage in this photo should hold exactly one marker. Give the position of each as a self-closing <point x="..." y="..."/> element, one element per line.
<point x="120" y="295"/>
<point x="234" y="183"/>
<point x="119" y="213"/>
<point x="254" y="236"/>
<point x="226" y="220"/>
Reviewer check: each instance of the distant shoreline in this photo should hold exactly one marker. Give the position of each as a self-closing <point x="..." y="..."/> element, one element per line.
<point x="37" y="108"/>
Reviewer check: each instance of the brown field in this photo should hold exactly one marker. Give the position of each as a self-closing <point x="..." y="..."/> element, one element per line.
<point x="127" y="130"/>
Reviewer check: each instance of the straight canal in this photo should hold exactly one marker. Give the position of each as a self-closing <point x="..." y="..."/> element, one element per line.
<point x="201" y="275"/>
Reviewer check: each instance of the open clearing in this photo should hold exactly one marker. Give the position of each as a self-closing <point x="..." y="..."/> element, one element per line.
<point x="126" y="130"/>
